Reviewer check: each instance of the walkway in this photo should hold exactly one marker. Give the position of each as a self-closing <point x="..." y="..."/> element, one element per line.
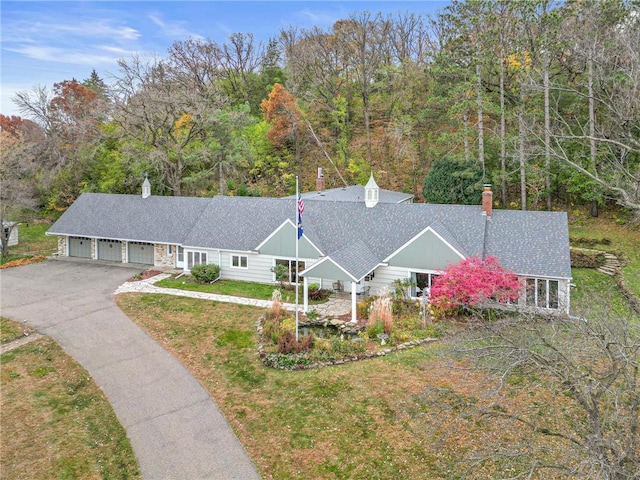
<point x="334" y="307"/>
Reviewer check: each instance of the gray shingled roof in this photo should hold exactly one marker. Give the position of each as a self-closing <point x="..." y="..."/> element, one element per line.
<point x="355" y="193"/>
<point x="356" y="237"/>
<point x="534" y="243"/>
<point x="239" y="223"/>
<point x="130" y="217"/>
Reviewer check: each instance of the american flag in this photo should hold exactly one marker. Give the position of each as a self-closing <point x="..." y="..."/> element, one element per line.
<point x="300" y="212"/>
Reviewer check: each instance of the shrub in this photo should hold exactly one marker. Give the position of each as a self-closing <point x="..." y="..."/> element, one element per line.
<point x="287" y="343"/>
<point x="282" y="274"/>
<point x="205" y="273"/>
<point x="319" y="294"/>
<point x="472" y="282"/>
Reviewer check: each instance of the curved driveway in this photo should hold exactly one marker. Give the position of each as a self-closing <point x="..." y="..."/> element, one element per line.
<point x="176" y="429"/>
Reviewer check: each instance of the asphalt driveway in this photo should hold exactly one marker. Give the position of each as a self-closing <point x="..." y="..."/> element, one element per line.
<point x="175" y="428"/>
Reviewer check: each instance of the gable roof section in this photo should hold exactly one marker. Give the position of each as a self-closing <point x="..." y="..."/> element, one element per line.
<point x="356" y="260"/>
<point x="432" y="249"/>
<point x="281" y="242"/>
<point x="130" y="217"/>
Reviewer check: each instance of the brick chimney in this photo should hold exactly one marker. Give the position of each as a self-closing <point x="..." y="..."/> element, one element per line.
<point x="320" y="180"/>
<point x="487" y="200"/>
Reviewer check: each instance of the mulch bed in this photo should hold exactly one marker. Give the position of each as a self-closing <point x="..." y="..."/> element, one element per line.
<point x="144" y="275"/>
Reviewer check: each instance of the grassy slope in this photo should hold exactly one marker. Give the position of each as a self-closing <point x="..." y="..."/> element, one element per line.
<point x="624" y="238"/>
<point x="56" y="422"/>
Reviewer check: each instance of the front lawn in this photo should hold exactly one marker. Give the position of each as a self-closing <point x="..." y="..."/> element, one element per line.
<point x="260" y="291"/>
<point x="408" y="415"/>
<point x="56" y="422"/>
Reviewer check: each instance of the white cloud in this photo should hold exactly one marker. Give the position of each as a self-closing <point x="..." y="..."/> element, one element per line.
<point x="173" y="29"/>
<point x="63" y="55"/>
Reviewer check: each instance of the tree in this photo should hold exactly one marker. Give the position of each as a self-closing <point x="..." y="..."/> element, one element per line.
<point x="453" y="181"/>
<point x="597" y="132"/>
<point x="594" y="363"/>
<point x="17" y="188"/>
<point x="473" y="282"/>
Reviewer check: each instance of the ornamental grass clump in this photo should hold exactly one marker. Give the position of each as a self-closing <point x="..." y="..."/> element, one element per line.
<point x="381" y="315"/>
<point x="276" y="304"/>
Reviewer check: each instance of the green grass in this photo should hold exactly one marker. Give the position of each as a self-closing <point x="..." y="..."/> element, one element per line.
<point x="32" y="241"/>
<point x="624" y="237"/>
<point x="235" y="288"/>
<point x="56" y="422"/>
<point x="362" y="420"/>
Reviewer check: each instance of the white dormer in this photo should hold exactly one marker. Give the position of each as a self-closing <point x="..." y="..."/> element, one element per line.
<point x="371" y="193"/>
<point x="146" y="188"/>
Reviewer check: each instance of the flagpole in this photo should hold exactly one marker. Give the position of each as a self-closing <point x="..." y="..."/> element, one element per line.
<point x="297" y="217"/>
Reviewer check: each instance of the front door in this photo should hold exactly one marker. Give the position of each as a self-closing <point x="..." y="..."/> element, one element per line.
<point x="180" y="257"/>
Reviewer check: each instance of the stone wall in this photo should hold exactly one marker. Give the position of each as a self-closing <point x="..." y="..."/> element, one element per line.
<point x="162" y="257"/>
<point x="94" y="249"/>
<point x="124" y="252"/>
<point x="62" y="245"/>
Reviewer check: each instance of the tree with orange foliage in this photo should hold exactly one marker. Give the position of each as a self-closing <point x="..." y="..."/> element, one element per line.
<point x="281" y="111"/>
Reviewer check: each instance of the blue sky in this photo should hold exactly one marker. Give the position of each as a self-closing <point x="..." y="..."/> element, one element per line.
<point x="47" y="42"/>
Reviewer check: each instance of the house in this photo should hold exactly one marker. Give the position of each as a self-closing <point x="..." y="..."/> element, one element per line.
<point x="12" y="229"/>
<point x="360" y="245"/>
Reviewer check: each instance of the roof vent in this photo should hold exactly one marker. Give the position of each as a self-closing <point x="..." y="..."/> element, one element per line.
<point x="146" y="188"/>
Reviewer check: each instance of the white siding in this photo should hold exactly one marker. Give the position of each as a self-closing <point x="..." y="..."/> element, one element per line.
<point x="258" y="268"/>
<point x="384" y="277"/>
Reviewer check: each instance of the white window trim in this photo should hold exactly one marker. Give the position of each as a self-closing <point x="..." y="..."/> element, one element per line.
<point x="290" y="260"/>
<point x="432" y="273"/>
<point x="545" y="301"/>
<point x="192" y="254"/>
<point x="239" y="256"/>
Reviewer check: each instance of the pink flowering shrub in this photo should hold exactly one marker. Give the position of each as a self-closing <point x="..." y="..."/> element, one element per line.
<point x="472" y="282"/>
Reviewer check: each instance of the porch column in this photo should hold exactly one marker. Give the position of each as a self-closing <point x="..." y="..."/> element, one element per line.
<point x="354" y="308"/>
<point x="305" y="293"/>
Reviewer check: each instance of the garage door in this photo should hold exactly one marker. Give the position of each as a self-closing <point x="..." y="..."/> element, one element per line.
<point x="109" y="250"/>
<point x="140" y="252"/>
<point x="80" y="247"/>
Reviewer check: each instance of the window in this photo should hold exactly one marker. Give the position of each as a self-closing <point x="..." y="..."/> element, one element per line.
<point x="169" y="249"/>
<point x="422" y="283"/>
<point x="196" y="258"/>
<point x="239" y="261"/>
<point x="542" y="293"/>
<point x="290" y="265"/>
<point x="180" y="254"/>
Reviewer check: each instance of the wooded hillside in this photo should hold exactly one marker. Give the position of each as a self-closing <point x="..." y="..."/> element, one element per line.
<point x="540" y="98"/>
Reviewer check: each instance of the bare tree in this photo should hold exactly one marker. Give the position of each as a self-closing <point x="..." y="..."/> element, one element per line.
<point x="17" y="189"/>
<point x="604" y="145"/>
<point x="594" y="362"/>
